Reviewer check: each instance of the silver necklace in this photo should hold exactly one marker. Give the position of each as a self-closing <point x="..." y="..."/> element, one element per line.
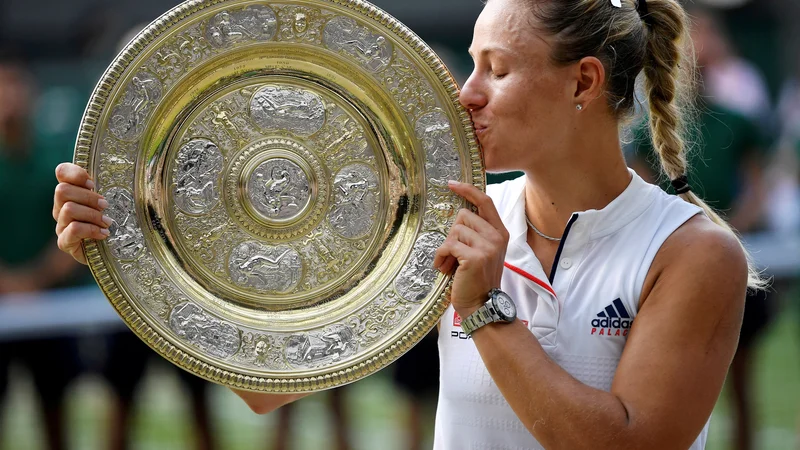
<point x="535" y="230"/>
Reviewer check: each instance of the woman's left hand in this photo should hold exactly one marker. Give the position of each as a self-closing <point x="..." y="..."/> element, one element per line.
<point x="475" y="249"/>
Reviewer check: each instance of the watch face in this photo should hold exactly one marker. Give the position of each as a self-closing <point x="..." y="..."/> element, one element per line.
<point x="505" y="306"/>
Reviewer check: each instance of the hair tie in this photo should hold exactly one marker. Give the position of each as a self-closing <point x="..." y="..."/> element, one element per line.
<point x="681" y="185"/>
<point x="644" y="12"/>
<point x="641" y="8"/>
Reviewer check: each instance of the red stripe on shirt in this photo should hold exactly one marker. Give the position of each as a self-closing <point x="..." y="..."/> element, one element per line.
<point x="532" y="278"/>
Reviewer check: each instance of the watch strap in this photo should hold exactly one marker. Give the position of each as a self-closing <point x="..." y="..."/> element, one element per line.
<point x="482" y="317"/>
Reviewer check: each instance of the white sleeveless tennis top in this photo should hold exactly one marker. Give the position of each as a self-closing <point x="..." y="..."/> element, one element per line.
<point x="581" y="315"/>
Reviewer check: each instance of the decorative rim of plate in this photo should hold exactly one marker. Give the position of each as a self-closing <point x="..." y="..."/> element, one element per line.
<point x="89" y="131"/>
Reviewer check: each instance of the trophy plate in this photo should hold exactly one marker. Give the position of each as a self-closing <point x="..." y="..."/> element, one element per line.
<point x="277" y="174"/>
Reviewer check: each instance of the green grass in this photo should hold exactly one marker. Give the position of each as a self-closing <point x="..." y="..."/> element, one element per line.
<point x="376" y="410"/>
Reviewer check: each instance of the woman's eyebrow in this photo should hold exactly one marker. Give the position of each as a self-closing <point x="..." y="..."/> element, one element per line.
<point x="485" y="51"/>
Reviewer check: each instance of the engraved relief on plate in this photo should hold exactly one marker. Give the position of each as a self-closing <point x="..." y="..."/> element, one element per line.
<point x="197" y="175"/>
<point x="300" y="24"/>
<point x="356" y="201"/>
<point x="254" y="23"/>
<point x="126" y="241"/>
<point x="442" y="162"/>
<point x="418" y="277"/>
<point x="129" y="116"/>
<point x="207" y="333"/>
<point x="373" y="51"/>
<point x="242" y="204"/>
<point x="315" y="349"/>
<point x="279" y="189"/>
<point x="179" y="54"/>
<point x="282" y="108"/>
<point x="265" y="268"/>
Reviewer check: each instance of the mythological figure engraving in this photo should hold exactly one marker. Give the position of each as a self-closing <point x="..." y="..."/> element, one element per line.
<point x="129" y="117"/>
<point x="179" y="55"/>
<point x="279" y="189"/>
<point x="356" y="199"/>
<point x="343" y="139"/>
<point x="408" y="86"/>
<point x="372" y="50"/>
<point x="126" y="240"/>
<point x="209" y="334"/>
<point x="300" y="24"/>
<point x="417" y="278"/>
<point x="310" y="350"/>
<point x="116" y="165"/>
<point x="441" y="210"/>
<point x="442" y="162"/>
<point x="266" y="268"/>
<point x="282" y="108"/>
<point x="252" y="23"/>
<point x="197" y="176"/>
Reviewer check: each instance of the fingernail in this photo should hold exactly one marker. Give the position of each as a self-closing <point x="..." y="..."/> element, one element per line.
<point x="105" y="232"/>
<point x="453" y="183"/>
<point x="90" y="185"/>
<point x="107" y="220"/>
<point x="102" y="203"/>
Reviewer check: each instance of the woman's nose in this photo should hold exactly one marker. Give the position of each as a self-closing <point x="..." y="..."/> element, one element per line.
<point x="472" y="96"/>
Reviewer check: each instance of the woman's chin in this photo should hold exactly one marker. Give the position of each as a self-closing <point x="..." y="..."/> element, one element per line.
<point x="491" y="164"/>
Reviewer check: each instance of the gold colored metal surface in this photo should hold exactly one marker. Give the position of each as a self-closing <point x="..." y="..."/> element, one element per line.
<point x="277" y="173"/>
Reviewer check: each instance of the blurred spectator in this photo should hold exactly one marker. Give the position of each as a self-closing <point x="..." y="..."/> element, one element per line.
<point x="124" y="368"/>
<point x="729" y="80"/>
<point x="416" y="375"/>
<point x="727" y="170"/>
<point x="200" y="412"/>
<point x="338" y="413"/>
<point x="29" y="257"/>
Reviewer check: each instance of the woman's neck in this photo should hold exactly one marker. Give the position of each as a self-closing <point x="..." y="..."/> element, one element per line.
<point x="588" y="175"/>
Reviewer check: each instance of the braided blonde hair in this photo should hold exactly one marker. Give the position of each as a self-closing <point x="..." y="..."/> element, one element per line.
<point x="627" y="44"/>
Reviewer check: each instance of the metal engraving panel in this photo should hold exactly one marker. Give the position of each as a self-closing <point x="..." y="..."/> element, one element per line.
<point x="277" y="173"/>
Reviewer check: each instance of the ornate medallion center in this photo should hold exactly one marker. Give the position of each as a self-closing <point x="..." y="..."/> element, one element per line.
<point x="279" y="190"/>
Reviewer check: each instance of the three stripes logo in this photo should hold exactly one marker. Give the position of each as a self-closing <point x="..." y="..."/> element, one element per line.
<point x="614" y="320"/>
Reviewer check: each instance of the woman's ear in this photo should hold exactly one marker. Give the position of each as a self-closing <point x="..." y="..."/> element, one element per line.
<point x="591" y="80"/>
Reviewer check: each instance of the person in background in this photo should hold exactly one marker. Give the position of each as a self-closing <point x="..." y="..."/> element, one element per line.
<point x="29" y="257"/>
<point x="729" y="80"/>
<point x="416" y="374"/>
<point x="786" y="177"/>
<point x="784" y="214"/>
<point x="728" y="170"/>
<point x="338" y="412"/>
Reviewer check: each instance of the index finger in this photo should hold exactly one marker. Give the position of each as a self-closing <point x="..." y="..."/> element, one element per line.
<point x="75" y="175"/>
<point x="483" y="202"/>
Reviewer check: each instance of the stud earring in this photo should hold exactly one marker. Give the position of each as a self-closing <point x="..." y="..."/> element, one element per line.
<point x="579" y="107"/>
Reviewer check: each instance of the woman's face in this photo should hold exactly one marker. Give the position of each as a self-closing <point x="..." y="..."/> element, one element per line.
<point x="521" y="103"/>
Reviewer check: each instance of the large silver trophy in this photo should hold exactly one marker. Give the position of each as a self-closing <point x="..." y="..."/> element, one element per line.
<point x="277" y="173"/>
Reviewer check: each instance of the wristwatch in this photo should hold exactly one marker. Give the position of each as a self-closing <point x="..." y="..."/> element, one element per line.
<point x="499" y="308"/>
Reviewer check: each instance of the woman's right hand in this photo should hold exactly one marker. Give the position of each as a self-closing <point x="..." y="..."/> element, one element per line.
<point x="78" y="210"/>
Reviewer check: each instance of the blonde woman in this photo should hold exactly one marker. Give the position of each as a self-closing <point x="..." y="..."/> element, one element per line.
<point x="589" y="308"/>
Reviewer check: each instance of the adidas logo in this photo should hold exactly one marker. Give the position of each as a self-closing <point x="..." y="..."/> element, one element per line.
<point x="614" y="320"/>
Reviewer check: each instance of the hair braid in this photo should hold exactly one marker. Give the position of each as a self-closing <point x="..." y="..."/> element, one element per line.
<point x="670" y="84"/>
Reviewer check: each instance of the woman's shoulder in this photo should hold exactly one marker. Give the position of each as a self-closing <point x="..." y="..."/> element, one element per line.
<point x="700" y="251"/>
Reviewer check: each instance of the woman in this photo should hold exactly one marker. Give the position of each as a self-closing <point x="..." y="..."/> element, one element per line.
<point x="628" y="321"/>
